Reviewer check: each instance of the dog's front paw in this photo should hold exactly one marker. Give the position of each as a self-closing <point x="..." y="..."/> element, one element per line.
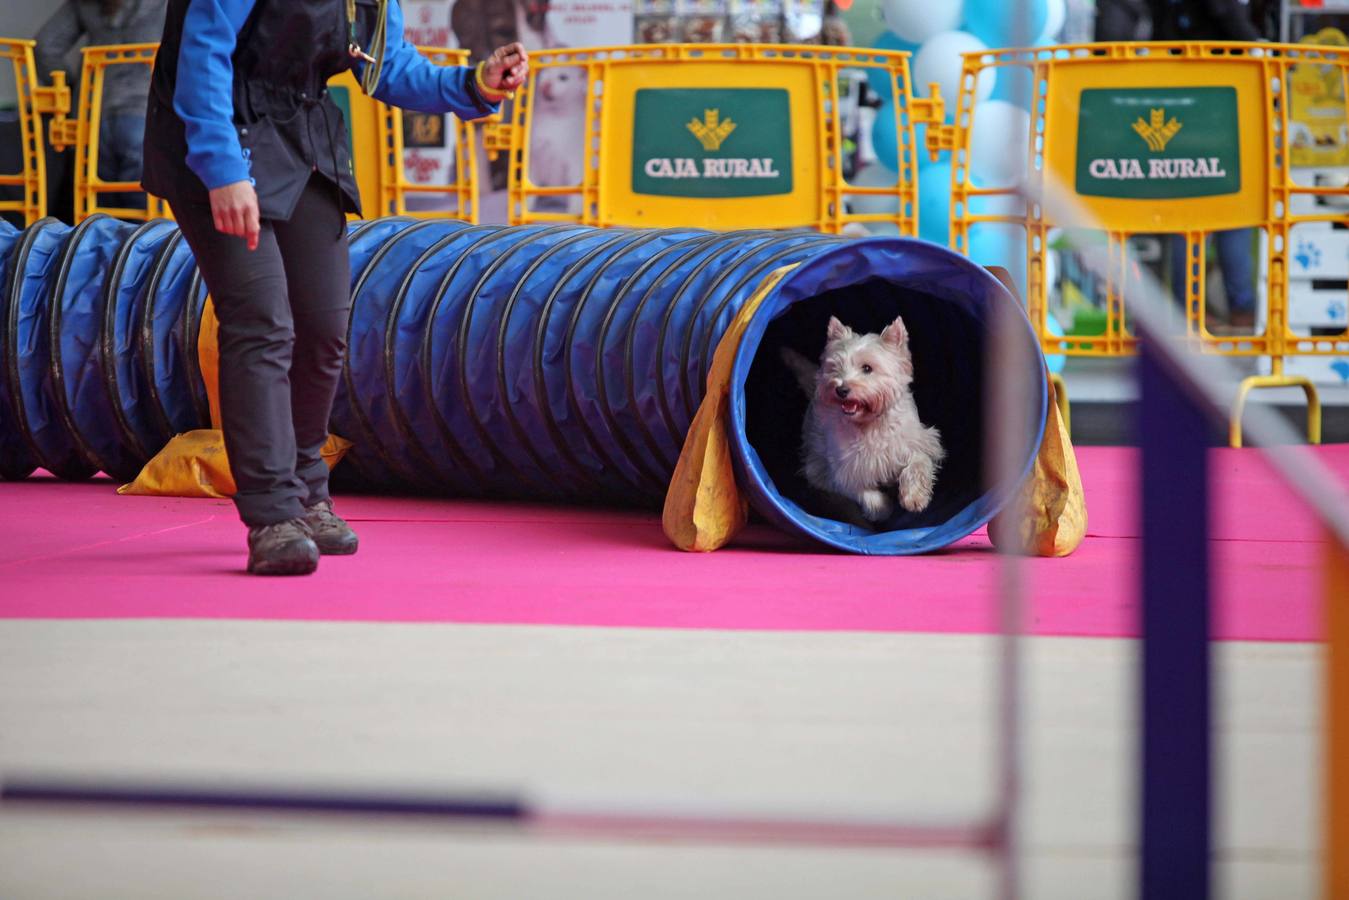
<point x="915" y="484"/>
<point x="876" y="506"/>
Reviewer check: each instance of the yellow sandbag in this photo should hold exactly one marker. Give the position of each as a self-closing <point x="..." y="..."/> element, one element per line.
<point x="1055" y="520"/>
<point x="191" y="465"/>
<point x="195" y="464"/>
<point x="704" y="508"/>
<point x="208" y="357"/>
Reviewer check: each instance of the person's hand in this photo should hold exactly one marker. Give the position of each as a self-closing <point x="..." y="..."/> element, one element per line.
<point x="234" y="207"/>
<point x="507" y="68"/>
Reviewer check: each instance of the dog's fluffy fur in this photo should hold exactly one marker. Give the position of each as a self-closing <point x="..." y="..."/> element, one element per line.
<point x="862" y="435"/>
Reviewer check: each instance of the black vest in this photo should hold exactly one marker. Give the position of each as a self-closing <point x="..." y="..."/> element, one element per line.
<point x="288" y="125"/>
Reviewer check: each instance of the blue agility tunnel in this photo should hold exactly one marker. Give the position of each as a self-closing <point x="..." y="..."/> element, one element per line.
<point x="558" y="363"/>
<point x="98" y="353"/>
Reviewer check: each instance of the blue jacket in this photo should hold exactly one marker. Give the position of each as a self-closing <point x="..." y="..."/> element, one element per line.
<point x="240" y="93"/>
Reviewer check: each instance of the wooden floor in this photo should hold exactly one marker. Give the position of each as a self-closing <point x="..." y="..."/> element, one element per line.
<point x="835" y="724"/>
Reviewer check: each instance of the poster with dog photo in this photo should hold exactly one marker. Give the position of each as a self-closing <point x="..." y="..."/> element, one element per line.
<point x="755" y="22"/>
<point x="701" y="21"/>
<point x="480" y="26"/>
<point x="655" y="22"/>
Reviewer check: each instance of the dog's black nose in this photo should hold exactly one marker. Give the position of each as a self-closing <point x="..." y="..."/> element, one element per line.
<point x="842" y="392"/>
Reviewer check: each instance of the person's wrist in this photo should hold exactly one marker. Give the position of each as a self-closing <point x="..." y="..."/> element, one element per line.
<point x="489" y="93"/>
<point x="225" y="175"/>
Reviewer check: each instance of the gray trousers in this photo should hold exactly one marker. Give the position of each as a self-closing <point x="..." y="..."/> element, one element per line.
<point x="283" y="311"/>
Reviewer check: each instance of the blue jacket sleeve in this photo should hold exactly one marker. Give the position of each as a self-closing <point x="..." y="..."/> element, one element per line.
<point x="203" y="97"/>
<point x="411" y="81"/>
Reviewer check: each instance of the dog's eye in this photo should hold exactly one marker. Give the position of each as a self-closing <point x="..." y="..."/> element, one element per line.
<point x="866" y="370"/>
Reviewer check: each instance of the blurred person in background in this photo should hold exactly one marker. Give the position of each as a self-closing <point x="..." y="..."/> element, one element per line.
<point x="125" y="88"/>
<point x="1122" y="20"/>
<point x="1214" y="20"/>
<point x="1203" y="20"/>
<point x="1265" y="15"/>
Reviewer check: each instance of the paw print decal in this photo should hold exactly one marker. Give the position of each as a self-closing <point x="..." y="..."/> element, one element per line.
<point x="1308" y="254"/>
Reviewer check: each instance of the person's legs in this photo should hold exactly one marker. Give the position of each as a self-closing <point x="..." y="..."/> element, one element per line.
<point x="1236" y="256"/>
<point x="1177" y="265"/>
<point x="120" y="151"/>
<point x="249" y="289"/>
<point x="313" y="248"/>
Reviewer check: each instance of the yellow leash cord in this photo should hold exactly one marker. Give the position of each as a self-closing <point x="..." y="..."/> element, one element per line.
<point x="374" y="58"/>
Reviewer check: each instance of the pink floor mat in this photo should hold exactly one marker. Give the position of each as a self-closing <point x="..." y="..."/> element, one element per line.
<point x="81" y="551"/>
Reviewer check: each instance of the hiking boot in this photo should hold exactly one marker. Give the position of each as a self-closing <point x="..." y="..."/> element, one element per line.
<point x="333" y="536"/>
<point x="282" y="549"/>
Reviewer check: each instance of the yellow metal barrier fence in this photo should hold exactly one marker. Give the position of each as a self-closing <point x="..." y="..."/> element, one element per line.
<point x="713" y="135"/>
<point x="378" y="144"/>
<point x="1157" y="138"/>
<point x="82" y="133"/>
<point x="376" y="137"/>
<point x="33" y="102"/>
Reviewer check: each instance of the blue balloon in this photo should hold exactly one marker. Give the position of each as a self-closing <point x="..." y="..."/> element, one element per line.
<point x="920" y="148"/>
<point x="934" y="203"/>
<point x="885" y="137"/>
<point x="879" y="79"/>
<point x="1014" y="85"/>
<point x="990" y="22"/>
<point x="885" y="141"/>
<point x="1000" y="245"/>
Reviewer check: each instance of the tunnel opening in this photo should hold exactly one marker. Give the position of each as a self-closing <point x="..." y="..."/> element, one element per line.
<point x="946" y="303"/>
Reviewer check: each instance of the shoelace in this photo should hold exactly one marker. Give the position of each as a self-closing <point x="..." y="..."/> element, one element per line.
<point x="277" y="527"/>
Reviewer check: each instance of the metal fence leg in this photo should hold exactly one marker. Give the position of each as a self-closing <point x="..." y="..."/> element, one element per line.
<point x="1176" y="774"/>
<point x="1336" y="699"/>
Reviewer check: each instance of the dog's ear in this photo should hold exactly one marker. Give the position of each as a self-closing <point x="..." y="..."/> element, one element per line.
<point x="838" y="331"/>
<point x="895" y="334"/>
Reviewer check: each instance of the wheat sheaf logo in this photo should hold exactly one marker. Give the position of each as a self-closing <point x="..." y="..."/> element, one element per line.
<point x="1158" y="132"/>
<point x="712" y="131"/>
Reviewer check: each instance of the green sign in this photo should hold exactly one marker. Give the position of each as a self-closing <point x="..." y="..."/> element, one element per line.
<point x="1158" y="143"/>
<point x="712" y="142"/>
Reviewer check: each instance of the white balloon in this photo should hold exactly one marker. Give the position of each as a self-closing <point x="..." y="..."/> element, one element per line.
<point x="1058" y="15"/>
<point x="998" y="143"/>
<point x="938" y="60"/>
<point x="875" y="175"/>
<point x="917" y="20"/>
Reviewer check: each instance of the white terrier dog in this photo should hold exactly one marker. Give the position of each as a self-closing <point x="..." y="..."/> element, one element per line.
<point x="862" y="432"/>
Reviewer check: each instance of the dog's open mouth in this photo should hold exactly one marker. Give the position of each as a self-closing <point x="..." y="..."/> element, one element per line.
<point x="850" y="407"/>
